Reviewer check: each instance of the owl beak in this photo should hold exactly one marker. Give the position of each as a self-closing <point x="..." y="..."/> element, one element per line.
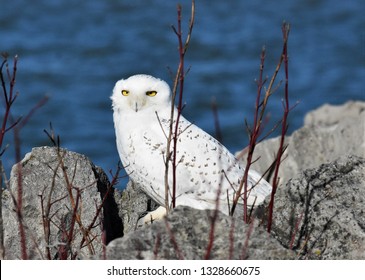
<point x="137" y="103"/>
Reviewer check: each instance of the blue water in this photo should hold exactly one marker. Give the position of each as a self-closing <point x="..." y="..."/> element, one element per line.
<point x="75" y="51"/>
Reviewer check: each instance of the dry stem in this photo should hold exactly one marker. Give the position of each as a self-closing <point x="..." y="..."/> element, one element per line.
<point x="255" y="131"/>
<point x="173" y="130"/>
<point x="284" y="125"/>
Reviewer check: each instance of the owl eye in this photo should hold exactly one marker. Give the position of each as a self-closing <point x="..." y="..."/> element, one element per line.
<point x="151" y="93"/>
<point x="125" y="92"/>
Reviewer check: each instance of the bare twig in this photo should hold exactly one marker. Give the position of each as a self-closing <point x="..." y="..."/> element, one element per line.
<point x="284" y="125"/>
<point x="157" y="246"/>
<point x="253" y="134"/>
<point x="296" y="228"/>
<point x="214" y="217"/>
<point x="8" y="123"/>
<point x="2" y="179"/>
<point x="9" y="98"/>
<point x="231" y="239"/>
<point x="100" y="207"/>
<point x="19" y="201"/>
<point x="256" y="129"/>
<point x="174" y="127"/>
<point x="244" y="253"/>
<point x="173" y="240"/>
<point x="211" y="233"/>
<point x="218" y="132"/>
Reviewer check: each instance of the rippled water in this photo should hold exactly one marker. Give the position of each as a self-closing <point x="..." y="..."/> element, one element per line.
<point x="74" y="51"/>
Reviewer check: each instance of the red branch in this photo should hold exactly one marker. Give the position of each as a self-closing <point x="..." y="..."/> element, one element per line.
<point x="255" y="131"/>
<point x="179" y="82"/>
<point x="9" y="100"/>
<point x="181" y="76"/>
<point x="296" y="228"/>
<point x="173" y="241"/>
<point x="9" y="97"/>
<point x="254" y="135"/>
<point x="284" y="125"/>
<point x="211" y="234"/>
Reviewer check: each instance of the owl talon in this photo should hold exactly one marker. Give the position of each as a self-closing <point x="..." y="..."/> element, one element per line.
<point x="155" y="215"/>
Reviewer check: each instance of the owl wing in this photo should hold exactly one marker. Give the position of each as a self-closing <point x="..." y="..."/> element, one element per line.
<point x="207" y="170"/>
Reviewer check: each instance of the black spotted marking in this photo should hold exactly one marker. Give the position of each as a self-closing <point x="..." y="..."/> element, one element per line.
<point x="156" y="146"/>
<point x="182" y="159"/>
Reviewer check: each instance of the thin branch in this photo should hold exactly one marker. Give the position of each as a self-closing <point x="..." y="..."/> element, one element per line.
<point x="159" y="122"/>
<point x="284" y="125"/>
<point x="260" y="110"/>
<point x="218" y="132"/>
<point x="173" y="240"/>
<point x="106" y="195"/>
<point x="41" y="103"/>
<point x="173" y="130"/>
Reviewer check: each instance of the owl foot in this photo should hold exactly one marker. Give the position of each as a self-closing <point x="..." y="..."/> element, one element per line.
<point x="157" y="214"/>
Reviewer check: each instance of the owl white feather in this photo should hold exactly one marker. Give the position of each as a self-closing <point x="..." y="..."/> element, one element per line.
<point x="142" y="113"/>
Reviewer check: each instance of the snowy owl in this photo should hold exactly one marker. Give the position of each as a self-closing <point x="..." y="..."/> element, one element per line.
<point x="142" y="112"/>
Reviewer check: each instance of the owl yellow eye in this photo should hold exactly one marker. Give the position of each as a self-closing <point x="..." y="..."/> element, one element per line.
<point x="125" y="92"/>
<point x="151" y="93"/>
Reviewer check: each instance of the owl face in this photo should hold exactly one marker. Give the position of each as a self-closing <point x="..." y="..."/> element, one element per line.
<point x="140" y="92"/>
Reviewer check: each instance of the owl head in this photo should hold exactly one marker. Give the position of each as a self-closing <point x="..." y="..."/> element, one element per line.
<point x="140" y="92"/>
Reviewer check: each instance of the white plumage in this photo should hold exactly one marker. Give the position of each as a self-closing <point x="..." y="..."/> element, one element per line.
<point x="142" y="111"/>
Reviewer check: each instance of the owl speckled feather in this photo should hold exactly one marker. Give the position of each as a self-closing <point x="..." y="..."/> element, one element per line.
<point x="142" y="112"/>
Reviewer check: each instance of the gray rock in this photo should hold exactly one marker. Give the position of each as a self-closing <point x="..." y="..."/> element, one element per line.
<point x="133" y="204"/>
<point x="59" y="188"/>
<point x="185" y="234"/>
<point x="329" y="132"/>
<point x="329" y="115"/>
<point x="321" y="214"/>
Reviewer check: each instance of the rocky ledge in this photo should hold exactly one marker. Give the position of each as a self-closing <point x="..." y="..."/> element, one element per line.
<point x="70" y="211"/>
